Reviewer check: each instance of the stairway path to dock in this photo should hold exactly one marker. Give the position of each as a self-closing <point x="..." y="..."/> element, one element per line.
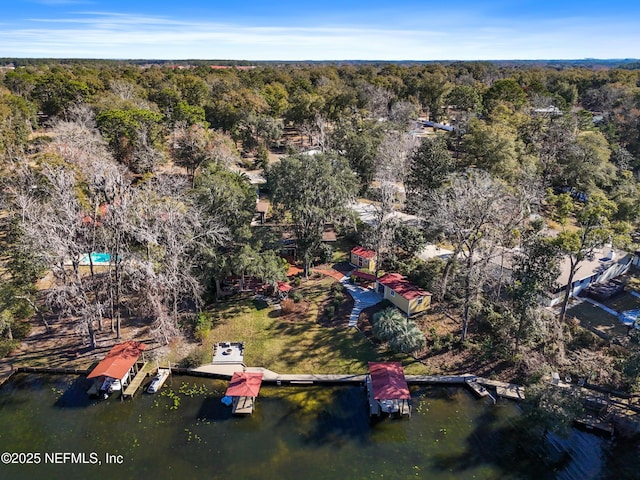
<point x="362" y="297"/>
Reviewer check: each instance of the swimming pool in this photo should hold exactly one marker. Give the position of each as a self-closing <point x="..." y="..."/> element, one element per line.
<point x="96" y="259"/>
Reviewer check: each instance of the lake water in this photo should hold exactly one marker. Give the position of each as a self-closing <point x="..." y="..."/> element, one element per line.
<point x="295" y="433"/>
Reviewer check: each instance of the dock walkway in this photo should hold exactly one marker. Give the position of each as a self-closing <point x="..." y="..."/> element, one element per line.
<point x="505" y="390"/>
<point x="132" y="388"/>
<point x="476" y="384"/>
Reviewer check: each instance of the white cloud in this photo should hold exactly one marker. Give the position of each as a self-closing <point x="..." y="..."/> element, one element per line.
<point x="113" y="35"/>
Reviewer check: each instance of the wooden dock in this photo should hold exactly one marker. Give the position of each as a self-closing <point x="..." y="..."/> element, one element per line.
<point x="592" y="424"/>
<point x="479" y="391"/>
<point x="55" y="370"/>
<point x="135" y="384"/>
<point x="243" y="405"/>
<point x="504" y="390"/>
<point x="374" y="406"/>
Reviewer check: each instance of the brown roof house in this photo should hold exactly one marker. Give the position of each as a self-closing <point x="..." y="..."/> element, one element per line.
<point x="408" y="297"/>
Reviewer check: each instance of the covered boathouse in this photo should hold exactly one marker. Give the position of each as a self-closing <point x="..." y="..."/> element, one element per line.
<point x="387" y="389"/>
<point x="115" y="370"/>
<point x="243" y="389"/>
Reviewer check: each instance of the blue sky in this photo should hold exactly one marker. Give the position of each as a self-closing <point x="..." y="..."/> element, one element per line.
<point x="324" y="30"/>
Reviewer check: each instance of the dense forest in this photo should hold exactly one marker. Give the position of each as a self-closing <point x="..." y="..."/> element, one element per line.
<point x="148" y="162"/>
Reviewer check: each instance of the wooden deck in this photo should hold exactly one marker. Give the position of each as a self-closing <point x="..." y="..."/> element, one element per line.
<point x="504" y="390"/>
<point x="243" y="405"/>
<point x="132" y="388"/>
<point x="507" y="390"/>
<point x="594" y="424"/>
<point x="374" y="406"/>
<point x="479" y="390"/>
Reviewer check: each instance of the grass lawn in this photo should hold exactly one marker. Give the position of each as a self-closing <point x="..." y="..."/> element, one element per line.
<point x="622" y="302"/>
<point x="341" y="250"/>
<point x="295" y="344"/>
<point x="591" y="316"/>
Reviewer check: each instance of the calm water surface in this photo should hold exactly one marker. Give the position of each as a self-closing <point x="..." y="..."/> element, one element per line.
<point x="296" y="432"/>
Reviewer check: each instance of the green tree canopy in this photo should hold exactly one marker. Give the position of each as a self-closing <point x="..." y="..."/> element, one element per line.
<point x="314" y="190"/>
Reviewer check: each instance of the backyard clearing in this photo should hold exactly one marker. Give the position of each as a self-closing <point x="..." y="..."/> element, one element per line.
<point x="288" y="346"/>
<point x="597" y="320"/>
<point x="601" y="322"/>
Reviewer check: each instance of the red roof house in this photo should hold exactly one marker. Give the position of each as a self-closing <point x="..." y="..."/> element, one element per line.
<point x="388" y="382"/>
<point x="119" y="360"/>
<point x="244" y="384"/>
<point x="408" y="297"/>
<point x="243" y="389"/>
<point x="363" y="258"/>
<point x="387" y="388"/>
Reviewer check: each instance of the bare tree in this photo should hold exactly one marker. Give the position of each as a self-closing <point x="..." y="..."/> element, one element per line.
<point x="193" y="146"/>
<point x="54" y="223"/>
<point x="378" y="100"/>
<point x="476" y="214"/>
<point x="317" y="130"/>
<point x="173" y="231"/>
<point x="391" y="165"/>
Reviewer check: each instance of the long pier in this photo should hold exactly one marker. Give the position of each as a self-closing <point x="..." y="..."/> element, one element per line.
<point x="502" y="389"/>
<point x="477" y="385"/>
<point x="57" y="370"/>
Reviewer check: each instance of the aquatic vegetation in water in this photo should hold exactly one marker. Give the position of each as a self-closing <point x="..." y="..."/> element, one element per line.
<point x="186" y="390"/>
<point x="173" y="396"/>
<point x="192" y="390"/>
<point x="192" y="436"/>
<point x="421" y="404"/>
<point x="57" y="392"/>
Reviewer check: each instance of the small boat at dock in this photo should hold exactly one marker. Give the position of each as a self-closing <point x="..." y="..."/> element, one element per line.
<point x="158" y="380"/>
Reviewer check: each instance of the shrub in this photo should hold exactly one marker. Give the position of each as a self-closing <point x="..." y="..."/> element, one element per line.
<point x="286" y="305"/>
<point x="402" y="334"/>
<point x="202" y="326"/>
<point x="289" y="306"/>
<point x="385" y="323"/>
<point x="261" y="159"/>
<point x="296" y="296"/>
<point x="326" y="253"/>
<point x="408" y="339"/>
<point x="330" y="311"/>
<point x="197" y="357"/>
<point x="8" y="346"/>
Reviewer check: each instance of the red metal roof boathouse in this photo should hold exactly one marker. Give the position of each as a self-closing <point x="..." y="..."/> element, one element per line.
<point x="243" y="389"/>
<point x="387" y="389"/>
